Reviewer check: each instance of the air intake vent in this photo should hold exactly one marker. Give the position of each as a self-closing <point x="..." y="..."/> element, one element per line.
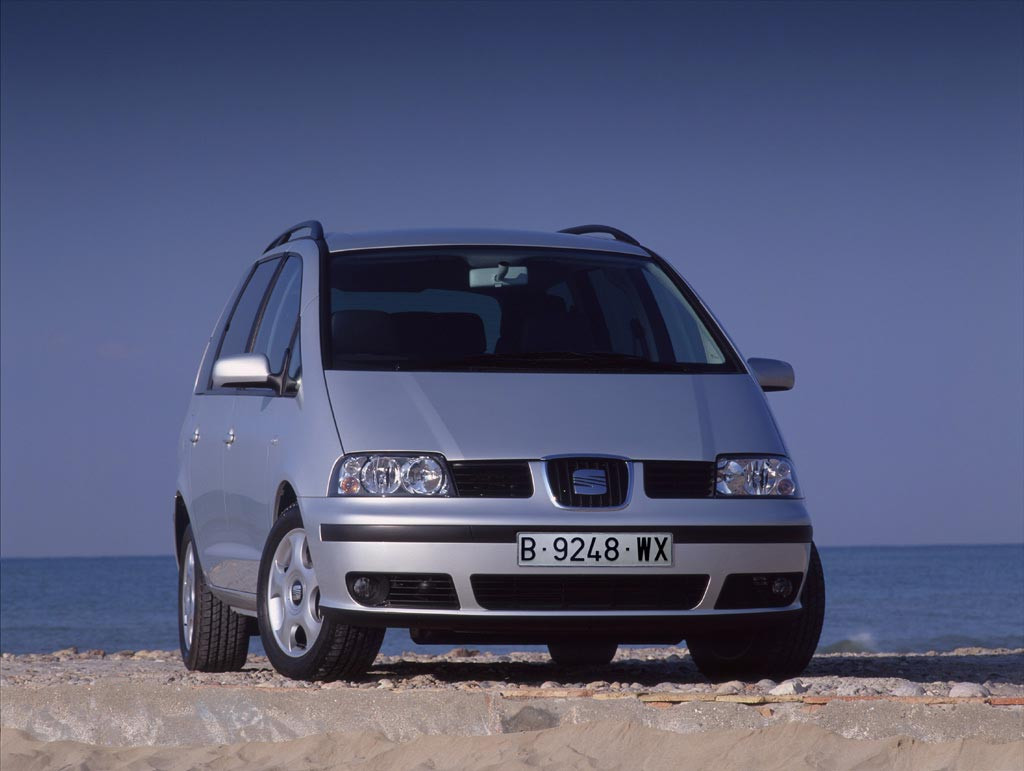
<point x="492" y="478"/>
<point x="679" y="478"/>
<point x="594" y="592"/>
<point x="588" y="483"/>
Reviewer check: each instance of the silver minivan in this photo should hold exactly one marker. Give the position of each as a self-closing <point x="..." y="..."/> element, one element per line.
<point x="485" y="437"/>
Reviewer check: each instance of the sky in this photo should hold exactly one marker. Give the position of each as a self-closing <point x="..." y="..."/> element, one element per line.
<point x="843" y="183"/>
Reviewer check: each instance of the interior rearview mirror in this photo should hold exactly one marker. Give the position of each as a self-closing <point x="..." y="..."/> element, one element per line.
<point x="501" y="275"/>
<point x="243" y="369"/>
<point x="772" y="374"/>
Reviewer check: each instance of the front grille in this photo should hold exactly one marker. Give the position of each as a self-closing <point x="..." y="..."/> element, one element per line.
<point x="593" y="592"/>
<point x="754" y="590"/>
<point x="560" y="477"/>
<point x="679" y="478"/>
<point x="492" y="478"/>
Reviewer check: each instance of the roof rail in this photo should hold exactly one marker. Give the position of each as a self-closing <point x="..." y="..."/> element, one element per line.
<point x="584" y="230"/>
<point x="316" y="232"/>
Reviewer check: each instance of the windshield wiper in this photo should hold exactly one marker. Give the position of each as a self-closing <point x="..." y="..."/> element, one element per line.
<point x="600" y="360"/>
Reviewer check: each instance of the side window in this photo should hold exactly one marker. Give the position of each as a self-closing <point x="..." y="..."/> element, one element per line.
<point x="280" y="314"/>
<point x="295" y="363"/>
<point x="239" y="328"/>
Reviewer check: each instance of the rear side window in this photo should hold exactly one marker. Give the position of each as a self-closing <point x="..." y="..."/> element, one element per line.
<point x="239" y="328"/>
<point x="279" y="316"/>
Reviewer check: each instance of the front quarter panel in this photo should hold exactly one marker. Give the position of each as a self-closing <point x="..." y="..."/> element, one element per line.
<point x="307" y="441"/>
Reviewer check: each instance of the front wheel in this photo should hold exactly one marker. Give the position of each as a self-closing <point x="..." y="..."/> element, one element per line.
<point x="299" y="640"/>
<point x="779" y="652"/>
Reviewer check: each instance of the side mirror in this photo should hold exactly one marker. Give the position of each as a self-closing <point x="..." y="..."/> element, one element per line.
<point x="772" y="374"/>
<point x="243" y="369"/>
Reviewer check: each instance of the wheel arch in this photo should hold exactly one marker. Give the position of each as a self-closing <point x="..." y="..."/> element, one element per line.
<point x="284" y="498"/>
<point x="181" y="521"/>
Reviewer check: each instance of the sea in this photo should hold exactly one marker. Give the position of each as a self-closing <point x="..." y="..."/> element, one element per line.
<point x="888" y="598"/>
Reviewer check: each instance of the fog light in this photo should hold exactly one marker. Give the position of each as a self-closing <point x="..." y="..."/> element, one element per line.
<point x="782" y="587"/>
<point x="369" y="590"/>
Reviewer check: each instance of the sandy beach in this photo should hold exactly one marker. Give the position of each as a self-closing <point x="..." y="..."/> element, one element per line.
<point x="649" y="709"/>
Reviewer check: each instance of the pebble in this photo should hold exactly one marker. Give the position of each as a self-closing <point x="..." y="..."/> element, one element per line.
<point x="729" y="688"/>
<point x="968" y="690"/>
<point x="906" y="690"/>
<point x="550" y="684"/>
<point x="788" y="688"/>
<point x="766" y="684"/>
<point x="856" y="689"/>
<point x="385" y="683"/>
<point x="149" y="655"/>
<point x="597" y="684"/>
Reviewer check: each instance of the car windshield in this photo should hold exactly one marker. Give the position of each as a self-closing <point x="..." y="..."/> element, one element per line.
<point x="488" y="308"/>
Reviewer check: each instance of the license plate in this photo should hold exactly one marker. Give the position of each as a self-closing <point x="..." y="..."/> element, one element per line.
<point x="594" y="550"/>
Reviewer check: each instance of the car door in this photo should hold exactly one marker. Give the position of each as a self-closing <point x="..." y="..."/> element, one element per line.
<point x="260" y="419"/>
<point x="211" y="418"/>
<point x="212" y="433"/>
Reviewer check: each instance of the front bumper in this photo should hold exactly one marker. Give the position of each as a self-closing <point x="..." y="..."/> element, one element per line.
<point x="465" y="537"/>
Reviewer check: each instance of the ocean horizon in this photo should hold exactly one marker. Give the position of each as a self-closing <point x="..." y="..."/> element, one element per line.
<point x="879" y="598"/>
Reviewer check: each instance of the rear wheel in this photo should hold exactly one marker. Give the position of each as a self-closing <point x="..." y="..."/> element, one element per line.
<point x="212" y="637"/>
<point x="300" y="641"/>
<point x="779" y="652"/>
<point x="577" y="654"/>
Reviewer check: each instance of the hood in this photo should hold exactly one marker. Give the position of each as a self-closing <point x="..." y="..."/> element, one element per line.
<point x="499" y="415"/>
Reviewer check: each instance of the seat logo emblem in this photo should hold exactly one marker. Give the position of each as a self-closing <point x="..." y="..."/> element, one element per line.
<point x="589" y="481"/>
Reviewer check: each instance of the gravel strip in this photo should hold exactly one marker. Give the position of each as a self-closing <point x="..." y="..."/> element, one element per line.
<point x="962" y="673"/>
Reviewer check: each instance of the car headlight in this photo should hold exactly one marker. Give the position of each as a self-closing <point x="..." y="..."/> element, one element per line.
<point x="383" y="475"/>
<point x="738" y="476"/>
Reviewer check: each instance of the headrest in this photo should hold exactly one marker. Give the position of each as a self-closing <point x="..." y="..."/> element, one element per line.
<point x="413" y="334"/>
<point x="356" y="332"/>
<point x="549" y="326"/>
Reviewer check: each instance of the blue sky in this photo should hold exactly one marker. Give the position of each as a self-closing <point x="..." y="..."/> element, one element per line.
<point x="843" y="183"/>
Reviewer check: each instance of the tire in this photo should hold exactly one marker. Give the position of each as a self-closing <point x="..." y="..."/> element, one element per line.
<point x="212" y="637"/>
<point x="582" y="654"/>
<point x="779" y="652"/>
<point x="300" y="642"/>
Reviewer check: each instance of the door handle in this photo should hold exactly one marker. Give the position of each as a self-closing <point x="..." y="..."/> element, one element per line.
<point x="195" y="436"/>
<point x="230" y="438"/>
